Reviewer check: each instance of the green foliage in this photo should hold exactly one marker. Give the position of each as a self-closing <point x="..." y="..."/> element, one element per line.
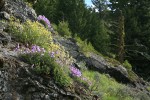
<point x="44" y="64"/>
<point x="55" y="27"/>
<point x="127" y="65"/>
<point x="85" y="47"/>
<point x="47" y="8"/>
<point x="63" y="29"/>
<point x="31" y="33"/>
<point x="137" y="32"/>
<point x="41" y="64"/>
<point x="106" y="87"/>
<point x="79" y="19"/>
<point x="101" y="41"/>
<point x="132" y="75"/>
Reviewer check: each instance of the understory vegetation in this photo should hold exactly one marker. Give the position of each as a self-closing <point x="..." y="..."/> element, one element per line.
<point x="115" y="28"/>
<point x="36" y="47"/>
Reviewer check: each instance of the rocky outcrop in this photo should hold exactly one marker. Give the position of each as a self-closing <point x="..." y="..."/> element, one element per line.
<point x="16" y="8"/>
<point x="18" y="81"/>
<point x="94" y="62"/>
<point x="98" y="63"/>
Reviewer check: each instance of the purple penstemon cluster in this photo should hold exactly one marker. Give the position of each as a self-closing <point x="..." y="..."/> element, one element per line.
<point x="36" y="48"/>
<point x="52" y="54"/>
<point x="75" y="71"/>
<point x="43" y="18"/>
<point x="33" y="49"/>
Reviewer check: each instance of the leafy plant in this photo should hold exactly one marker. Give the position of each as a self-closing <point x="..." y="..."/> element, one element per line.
<point x="45" y="64"/>
<point x="63" y="29"/>
<point x="106" y="87"/>
<point x="85" y="47"/>
<point x="127" y="65"/>
<point x="31" y="33"/>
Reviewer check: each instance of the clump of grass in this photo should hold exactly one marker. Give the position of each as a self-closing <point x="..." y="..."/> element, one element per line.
<point x="106" y="87"/>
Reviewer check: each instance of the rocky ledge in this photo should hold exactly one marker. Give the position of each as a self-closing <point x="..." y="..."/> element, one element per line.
<point x="98" y="63"/>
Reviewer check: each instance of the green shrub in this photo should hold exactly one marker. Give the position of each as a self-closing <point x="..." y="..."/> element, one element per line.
<point x="54" y="26"/>
<point x="127" y="65"/>
<point x="63" y="29"/>
<point x="85" y="47"/>
<point x="31" y="33"/>
<point x="44" y="64"/>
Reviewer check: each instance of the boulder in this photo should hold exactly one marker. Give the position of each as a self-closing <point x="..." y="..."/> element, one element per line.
<point x="16" y="8"/>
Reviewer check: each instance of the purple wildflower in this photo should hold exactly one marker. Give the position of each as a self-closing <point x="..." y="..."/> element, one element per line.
<point x="43" y="18"/>
<point x="33" y="49"/>
<point x="38" y="49"/>
<point x="52" y="54"/>
<point x="75" y="71"/>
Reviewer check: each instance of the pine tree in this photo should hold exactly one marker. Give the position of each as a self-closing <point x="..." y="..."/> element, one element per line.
<point x="121" y="37"/>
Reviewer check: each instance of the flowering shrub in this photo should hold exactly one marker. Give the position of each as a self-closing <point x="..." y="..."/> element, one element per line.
<point x="42" y="18"/>
<point x="31" y="33"/>
<point x="33" y="49"/>
<point x="43" y="62"/>
<point x="75" y="71"/>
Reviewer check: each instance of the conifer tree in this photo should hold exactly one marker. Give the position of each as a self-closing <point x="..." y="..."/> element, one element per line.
<point x="121" y="37"/>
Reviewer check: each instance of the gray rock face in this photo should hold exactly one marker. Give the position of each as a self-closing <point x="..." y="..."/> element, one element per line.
<point x="98" y="63"/>
<point x="18" y="82"/>
<point x="94" y="62"/>
<point x="16" y="8"/>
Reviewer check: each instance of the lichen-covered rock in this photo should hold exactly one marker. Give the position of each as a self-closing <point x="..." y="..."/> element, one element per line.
<point x="16" y="8"/>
